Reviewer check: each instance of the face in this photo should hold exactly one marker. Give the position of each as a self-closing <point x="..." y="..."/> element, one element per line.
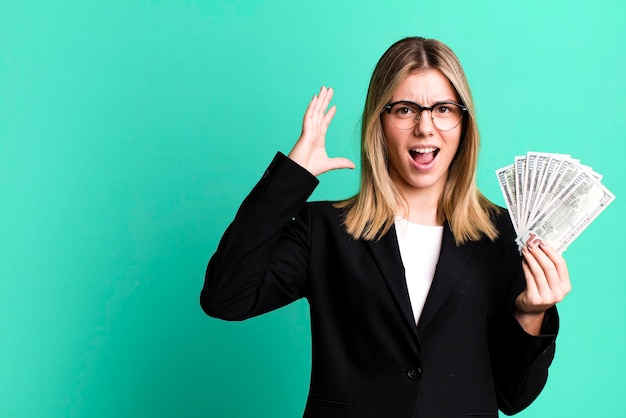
<point x="419" y="158"/>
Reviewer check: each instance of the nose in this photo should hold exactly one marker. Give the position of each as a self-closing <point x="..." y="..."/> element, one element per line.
<point x="424" y="125"/>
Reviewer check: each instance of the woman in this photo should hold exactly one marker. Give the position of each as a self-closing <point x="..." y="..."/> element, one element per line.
<point x="421" y="305"/>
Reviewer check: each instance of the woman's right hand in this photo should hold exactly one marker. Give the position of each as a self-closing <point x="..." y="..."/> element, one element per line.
<point x="310" y="149"/>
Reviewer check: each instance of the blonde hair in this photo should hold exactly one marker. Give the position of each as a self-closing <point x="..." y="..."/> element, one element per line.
<point x="371" y="213"/>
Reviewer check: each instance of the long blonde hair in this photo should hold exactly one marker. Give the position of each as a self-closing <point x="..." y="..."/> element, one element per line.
<point x="371" y="213"/>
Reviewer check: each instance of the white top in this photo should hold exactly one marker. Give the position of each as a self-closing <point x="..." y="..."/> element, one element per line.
<point x="420" y="246"/>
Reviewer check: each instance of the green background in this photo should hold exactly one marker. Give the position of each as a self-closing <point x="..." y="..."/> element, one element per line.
<point x="131" y="130"/>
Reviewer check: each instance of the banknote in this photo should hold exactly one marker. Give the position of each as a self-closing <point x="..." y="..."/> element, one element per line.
<point x="551" y="197"/>
<point x="538" y="163"/>
<point x="520" y="169"/>
<point x="506" y="177"/>
<point x="547" y="178"/>
<point x="565" y="174"/>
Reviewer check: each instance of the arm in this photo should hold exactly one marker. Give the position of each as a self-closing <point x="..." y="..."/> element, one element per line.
<point x="521" y="361"/>
<point x="526" y="342"/>
<point x="262" y="259"/>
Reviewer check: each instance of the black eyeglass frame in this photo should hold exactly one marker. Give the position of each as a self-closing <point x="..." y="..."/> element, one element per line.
<point x="463" y="108"/>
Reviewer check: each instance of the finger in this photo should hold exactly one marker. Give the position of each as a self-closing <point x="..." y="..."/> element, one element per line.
<point x="558" y="276"/>
<point x="531" y="285"/>
<point x="535" y="268"/>
<point x="313" y="115"/>
<point x="558" y="287"/>
<point x="310" y="108"/>
<point x="538" y="295"/>
<point x="335" y="164"/>
<point x="326" y="95"/>
<point x="321" y="97"/>
<point x="550" y="271"/>
<point x="322" y="90"/>
<point x="339" y="163"/>
<point x="328" y="117"/>
<point x="558" y="261"/>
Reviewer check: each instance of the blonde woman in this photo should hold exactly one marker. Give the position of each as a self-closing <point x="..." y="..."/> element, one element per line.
<point x="421" y="305"/>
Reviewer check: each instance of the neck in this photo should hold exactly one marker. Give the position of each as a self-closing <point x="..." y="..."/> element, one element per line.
<point x="419" y="206"/>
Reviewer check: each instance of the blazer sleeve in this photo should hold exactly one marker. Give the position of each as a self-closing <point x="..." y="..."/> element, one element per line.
<point x="261" y="261"/>
<point x="521" y="367"/>
<point x="520" y="361"/>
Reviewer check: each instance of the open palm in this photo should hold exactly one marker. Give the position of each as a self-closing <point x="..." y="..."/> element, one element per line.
<point x="310" y="149"/>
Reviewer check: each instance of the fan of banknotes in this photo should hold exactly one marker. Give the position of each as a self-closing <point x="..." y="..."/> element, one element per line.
<point x="551" y="197"/>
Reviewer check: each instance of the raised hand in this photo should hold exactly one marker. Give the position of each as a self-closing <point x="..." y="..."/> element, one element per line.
<point x="310" y="149"/>
<point x="547" y="283"/>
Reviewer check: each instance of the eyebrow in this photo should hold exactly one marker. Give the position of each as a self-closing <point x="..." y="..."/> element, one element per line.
<point x="433" y="103"/>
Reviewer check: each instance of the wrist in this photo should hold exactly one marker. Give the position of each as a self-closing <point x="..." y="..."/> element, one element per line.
<point x="530" y="322"/>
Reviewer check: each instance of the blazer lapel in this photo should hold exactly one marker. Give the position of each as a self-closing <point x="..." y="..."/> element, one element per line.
<point x="450" y="266"/>
<point x="386" y="253"/>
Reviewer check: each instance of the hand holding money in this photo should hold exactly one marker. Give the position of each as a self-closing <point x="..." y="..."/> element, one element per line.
<point x="547" y="283"/>
<point x="551" y="198"/>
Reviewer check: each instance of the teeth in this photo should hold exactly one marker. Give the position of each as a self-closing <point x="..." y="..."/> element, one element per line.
<point x="424" y="150"/>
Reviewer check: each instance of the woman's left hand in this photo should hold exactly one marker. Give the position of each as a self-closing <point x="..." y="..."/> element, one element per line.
<point x="547" y="283"/>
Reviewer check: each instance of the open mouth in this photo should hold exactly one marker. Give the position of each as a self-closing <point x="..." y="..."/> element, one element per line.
<point x="424" y="155"/>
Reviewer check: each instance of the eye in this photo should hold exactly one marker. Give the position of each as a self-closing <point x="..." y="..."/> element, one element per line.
<point x="403" y="110"/>
<point x="443" y="109"/>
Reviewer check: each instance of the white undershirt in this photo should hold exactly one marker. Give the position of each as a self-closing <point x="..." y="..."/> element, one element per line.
<point x="419" y="247"/>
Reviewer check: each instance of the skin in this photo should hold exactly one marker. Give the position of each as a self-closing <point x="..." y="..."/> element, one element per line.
<point x="310" y="149"/>
<point x="545" y="271"/>
<point x="421" y="185"/>
<point x="547" y="283"/>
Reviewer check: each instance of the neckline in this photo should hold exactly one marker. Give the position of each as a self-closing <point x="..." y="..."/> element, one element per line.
<point x="409" y="223"/>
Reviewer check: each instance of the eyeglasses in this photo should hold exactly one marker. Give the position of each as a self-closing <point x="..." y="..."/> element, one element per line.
<point x="406" y="115"/>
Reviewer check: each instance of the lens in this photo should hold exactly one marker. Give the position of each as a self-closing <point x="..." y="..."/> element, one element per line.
<point x="404" y="115"/>
<point x="446" y="116"/>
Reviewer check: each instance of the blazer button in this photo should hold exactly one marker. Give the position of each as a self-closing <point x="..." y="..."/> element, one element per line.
<point x="414" y="373"/>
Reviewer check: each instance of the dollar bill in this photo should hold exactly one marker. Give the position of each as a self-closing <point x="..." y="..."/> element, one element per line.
<point x="546" y="182"/>
<point x="579" y="204"/>
<point x="506" y="177"/>
<point x="566" y="173"/>
<point x="520" y="168"/>
<point x="551" y="197"/>
<point x="539" y="164"/>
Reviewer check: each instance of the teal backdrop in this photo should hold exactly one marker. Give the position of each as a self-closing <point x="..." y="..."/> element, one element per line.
<point x="131" y="130"/>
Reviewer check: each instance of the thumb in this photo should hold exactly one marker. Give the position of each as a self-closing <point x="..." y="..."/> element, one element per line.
<point x="339" y="163"/>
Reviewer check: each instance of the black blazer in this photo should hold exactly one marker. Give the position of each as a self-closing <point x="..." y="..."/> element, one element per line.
<point x="468" y="356"/>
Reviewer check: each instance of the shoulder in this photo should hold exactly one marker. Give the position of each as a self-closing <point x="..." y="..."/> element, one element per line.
<point x="502" y="222"/>
<point x="504" y="247"/>
<point x="326" y="210"/>
<point x="326" y="220"/>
